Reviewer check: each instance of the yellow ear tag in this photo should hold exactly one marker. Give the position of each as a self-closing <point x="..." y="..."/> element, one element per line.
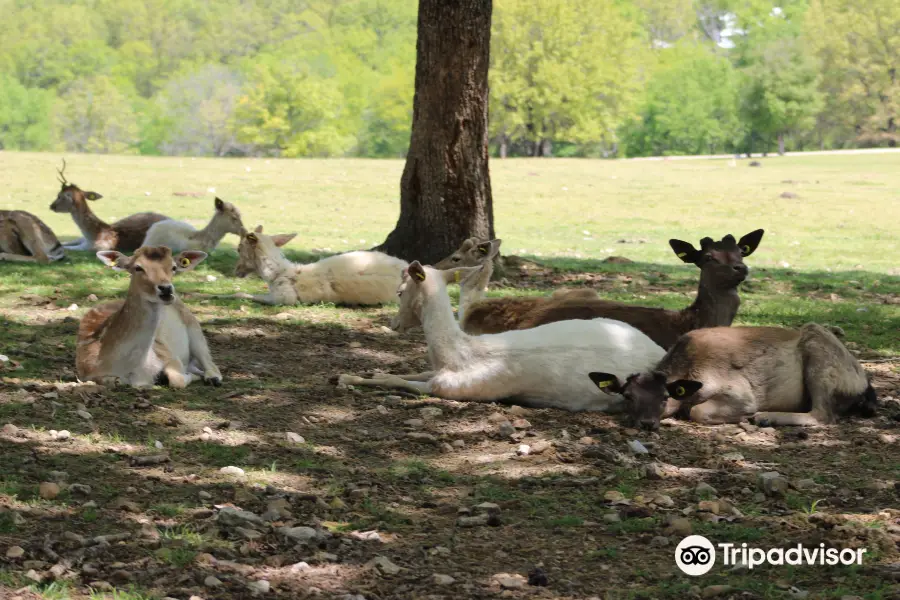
<point x="456" y="276"/>
<point x="483" y="250"/>
<point x="603" y="384"/>
<point x="680" y="391"/>
<point x="681" y="254"/>
<point x="420" y="276"/>
<point x="185" y="263"/>
<point x="746" y="249"/>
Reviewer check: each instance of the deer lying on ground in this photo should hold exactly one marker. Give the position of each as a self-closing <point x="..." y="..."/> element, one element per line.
<point x="542" y="367"/>
<point x="151" y="336"/>
<point x="179" y="235"/>
<point x="722" y="269"/>
<point x="353" y="278"/>
<point x="125" y="235"/>
<point x="26" y="238"/>
<point x="726" y="374"/>
<point x="473" y="286"/>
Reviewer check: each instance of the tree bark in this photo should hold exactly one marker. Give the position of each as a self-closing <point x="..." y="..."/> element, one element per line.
<point x="781" y="144"/>
<point x="445" y="190"/>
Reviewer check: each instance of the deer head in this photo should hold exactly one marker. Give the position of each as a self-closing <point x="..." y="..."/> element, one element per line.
<point x="70" y="195"/>
<point x="254" y="246"/>
<point x="471" y="253"/>
<point x="646" y="395"/>
<point x="151" y="269"/>
<point x="413" y="279"/>
<point x="721" y="263"/>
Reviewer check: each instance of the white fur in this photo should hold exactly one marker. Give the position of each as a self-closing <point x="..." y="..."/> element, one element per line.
<point x="546" y="366"/>
<point x="360" y="277"/>
<point x="180" y="236"/>
<point x="174" y="234"/>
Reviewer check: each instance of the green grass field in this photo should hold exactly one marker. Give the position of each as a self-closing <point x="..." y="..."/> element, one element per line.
<point x="829" y="255"/>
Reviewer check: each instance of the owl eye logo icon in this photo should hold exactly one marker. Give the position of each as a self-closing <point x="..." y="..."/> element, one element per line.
<point x="695" y="555"/>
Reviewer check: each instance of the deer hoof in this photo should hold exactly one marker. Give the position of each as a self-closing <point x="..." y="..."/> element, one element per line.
<point x="214" y="381"/>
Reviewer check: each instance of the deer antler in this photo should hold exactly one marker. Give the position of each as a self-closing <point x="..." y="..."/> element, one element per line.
<point x="62" y="177"/>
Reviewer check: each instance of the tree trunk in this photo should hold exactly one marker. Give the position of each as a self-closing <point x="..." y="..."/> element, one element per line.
<point x="504" y="146"/>
<point x="781" y="144"/>
<point x="445" y="190"/>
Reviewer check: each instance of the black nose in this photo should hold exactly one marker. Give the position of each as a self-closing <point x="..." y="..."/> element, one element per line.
<point x="741" y="270"/>
<point x="649" y="424"/>
<point x="165" y="290"/>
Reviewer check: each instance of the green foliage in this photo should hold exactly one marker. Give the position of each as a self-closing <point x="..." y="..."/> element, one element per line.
<point x="335" y="77"/>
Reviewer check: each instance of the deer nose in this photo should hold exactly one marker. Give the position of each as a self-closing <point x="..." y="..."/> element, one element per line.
<point x="166" y="289"/>
<point x="649" y="424"/>
<point x="741" y="269"/>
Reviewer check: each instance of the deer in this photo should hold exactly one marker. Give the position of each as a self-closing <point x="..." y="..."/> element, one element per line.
<point x="125" y="235"/>
<point x="770" y="375"/>
<point x="722" y="270"/>
<point x="473" y="287"/>
<point x="179" y="235"/>
<point x="362" y="278"/>
<point x="26" y="238"/>
<point x="150" y="336"/>
<point x="541" y="367"/>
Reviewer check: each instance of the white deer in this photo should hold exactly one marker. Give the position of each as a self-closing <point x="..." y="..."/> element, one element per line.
<point x="540" y="367"/>
<point x="179" y="235"/>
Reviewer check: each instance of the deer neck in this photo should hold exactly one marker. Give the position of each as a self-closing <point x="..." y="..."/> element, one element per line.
<point x="271" y="264"/>
<point x="713" y="307"/>
<point x="134" y="325"/>
<point x="210" y="236"/>
<point x="90" y="224"/>
<point x="473" y="289"/>
<point x="446" y="341"/>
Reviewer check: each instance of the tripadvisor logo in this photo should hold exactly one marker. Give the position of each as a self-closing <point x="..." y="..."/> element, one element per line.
<point x="695" y="555"/>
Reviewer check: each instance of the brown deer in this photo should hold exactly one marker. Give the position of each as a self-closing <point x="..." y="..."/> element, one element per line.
<point x="151" y="336"/>
<point x="722" y="270"/>
<point x="125" y="235"/>
<point x="26" y="238"/>
<point x="725" y="374"/>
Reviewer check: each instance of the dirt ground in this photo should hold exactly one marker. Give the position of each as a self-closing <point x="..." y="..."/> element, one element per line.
<point x="390" y="496"/>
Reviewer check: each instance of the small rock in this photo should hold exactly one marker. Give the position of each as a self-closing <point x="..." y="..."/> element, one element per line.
<point x="300" y="567"/>
<point x="204" y="495"/>
<point x="680" y="526"/>
<point x="212" y="582"/>
<point x="748" y="427"/>
<point x="663" y="501"/>
<point x="430" y="412"/>
<point x="612" y="518"/>
<point x="125" y="504"/>
<point x="497" y="418"/>
<point x="92" y="298"/>
<point x="440" y="579"/>
<point x="506" y="429"/>
<point x="425" y="437"/>
<point x="660" y="541"/>
<point x="773" y="483"/>
<point x="521" y="424"/>
<point x="637" y="448"/>
<point x="232" y="471"/>
<point x="235" y="517"/>
<point x="294" y="438"/>
<point x="614" y="496"/>
<point x="301" y="535"/>
<point x="475" y="521"/>
<point x="259" y="587"/>
<point x="445" y="447"/>
<point x="804" y="484"/>
<point x="704" y="489"/>
<point x="248" y="534"/>
<point x="80" y="488"/>
<point x="523" y="450"/>
<point x="733" y="457"/>
<point x="459" y="443"/>
<point x="48" y="490"/>
<point x="415" y="423"/>
<point x="10" y="430"/>
<point x="541" y="446"/>
<point x="14" y="552"/>
<point x="510" y="582"/>
<point x="759" y="497"/>
<point x="84" y="414"/>
<point x="714" y="591"/>
<point x="384" y="565"/>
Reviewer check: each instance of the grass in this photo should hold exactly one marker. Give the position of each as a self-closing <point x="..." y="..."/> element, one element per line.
<point x="828" y="256"/>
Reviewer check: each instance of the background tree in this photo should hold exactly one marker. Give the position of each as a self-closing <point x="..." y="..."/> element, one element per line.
<point x="445" y="190"/>
<point x="95" y="116"/>
<point x="24" y="122"/>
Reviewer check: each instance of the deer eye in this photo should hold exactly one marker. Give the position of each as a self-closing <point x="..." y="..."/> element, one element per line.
<point x="139" y="269"/>
<point x="174" y="269"/>
<point x="456" y="259"/>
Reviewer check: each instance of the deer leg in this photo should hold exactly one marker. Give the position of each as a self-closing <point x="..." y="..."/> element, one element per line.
<point x="387" y="381"/>
<point x="729" y="404"/>
<point x="79" y="245"/>
<point x="787" y="418"/>
<point x="423" y="376"/>
<point x="199" y="350"/>
<point x="17" y="258"/>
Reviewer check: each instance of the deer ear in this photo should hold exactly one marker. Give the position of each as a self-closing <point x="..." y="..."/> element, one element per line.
<point x="92" y="195"/>
<point x="683" y="388"/>
<point x="116" y="260"/>
<point x="258" y="229"/>
<point x="750" y="242"/>
<point x="607" y="382"/>
<point x="685" y="251"/>
<point x="220" y="206"/>
<point x="189" y="259"/>
<point x="283" y="238"/>
<point x="416" y="271"/>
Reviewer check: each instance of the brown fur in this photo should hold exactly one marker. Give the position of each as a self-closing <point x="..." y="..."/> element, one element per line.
<point x="722" y="270"/>
<point x="776" y="375"/>
<point x="26" y="238"/>
<point x="125" y="235"/>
